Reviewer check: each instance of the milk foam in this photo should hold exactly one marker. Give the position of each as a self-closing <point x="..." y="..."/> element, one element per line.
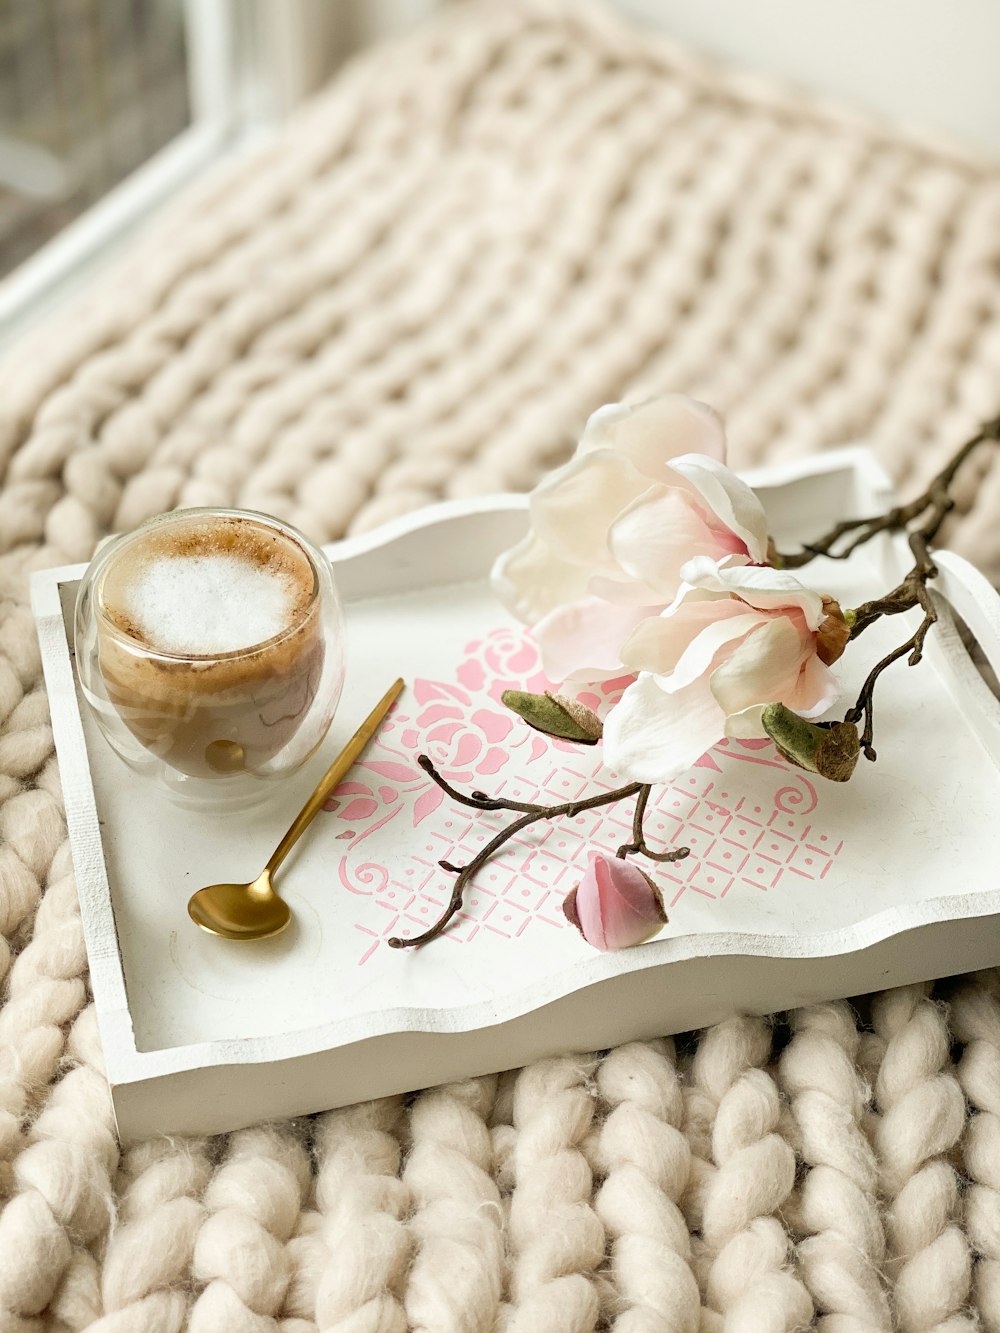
<point x="206" y="604"/>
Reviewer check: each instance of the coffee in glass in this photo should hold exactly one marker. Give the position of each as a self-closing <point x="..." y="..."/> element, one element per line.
<point x="210" y="646"/>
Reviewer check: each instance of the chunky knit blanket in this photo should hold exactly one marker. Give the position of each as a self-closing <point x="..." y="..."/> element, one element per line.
<point x="472" y="240"/>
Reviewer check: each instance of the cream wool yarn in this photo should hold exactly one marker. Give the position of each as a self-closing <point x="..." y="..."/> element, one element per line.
<point x="556" y="1238"/>
<point x="455" y="1278"/>
<point x="362" y="1201"/>
<point x="842" y="1243"/>
<point x="254" y="1200"/>
<point x="474" y="238"/>
<point x="646" y="1161"/>
<point x="975" y="1013"/>
<point x="747" y="1173"/>
<point x="922" y="1117"/>
<point x="151" y="1247"/>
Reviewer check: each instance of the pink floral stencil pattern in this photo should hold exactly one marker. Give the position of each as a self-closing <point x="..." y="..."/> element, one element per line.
<point x="771" y="841"/>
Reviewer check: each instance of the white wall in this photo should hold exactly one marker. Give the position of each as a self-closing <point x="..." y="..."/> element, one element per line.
<point x="932" y="64"/>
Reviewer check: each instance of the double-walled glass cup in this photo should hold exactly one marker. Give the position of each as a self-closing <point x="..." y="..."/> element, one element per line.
<point x="210" y="727"/>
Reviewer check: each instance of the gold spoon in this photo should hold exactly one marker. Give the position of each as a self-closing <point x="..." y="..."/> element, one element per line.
<point x="254" y="911"/>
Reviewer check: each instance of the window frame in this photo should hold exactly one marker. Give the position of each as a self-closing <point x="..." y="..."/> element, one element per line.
<point x="233" y="101"/>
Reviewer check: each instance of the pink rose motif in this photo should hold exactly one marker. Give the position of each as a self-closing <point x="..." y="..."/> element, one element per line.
<point x="616" y="905"/>
<point x="462" y="745"/>
<point x="734" y="640"/>
<point x="362" y="807"/>
<point x="504" y="660"/>
<point x="611" y="531"/>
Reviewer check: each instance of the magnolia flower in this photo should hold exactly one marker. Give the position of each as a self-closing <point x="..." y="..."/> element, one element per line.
<point x="611" y="531"/>
<point x="733" y="641"/>
<point x="615" y="905"/>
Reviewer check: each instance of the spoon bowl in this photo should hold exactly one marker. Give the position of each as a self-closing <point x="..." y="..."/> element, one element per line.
<point x="253" y="911"/>
<point x="256" y="911"/>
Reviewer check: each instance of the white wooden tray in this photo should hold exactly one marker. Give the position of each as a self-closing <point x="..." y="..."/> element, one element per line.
<point x="795" y="890"/>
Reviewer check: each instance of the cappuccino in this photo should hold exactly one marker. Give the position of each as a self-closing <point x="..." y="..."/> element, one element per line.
<point x="209" y="639"/>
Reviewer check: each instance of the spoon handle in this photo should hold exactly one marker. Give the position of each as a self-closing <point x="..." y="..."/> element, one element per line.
<point x="334" y="775"/>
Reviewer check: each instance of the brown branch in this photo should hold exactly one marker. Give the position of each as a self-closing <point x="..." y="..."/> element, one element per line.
<point x="931" y="508"/>
<point x="865" y="706"/>
<point x="638" y="816"/>
<point x="638" y="846"/>
<point x="935" y="498"/>
<point x="531" y="815"/>
<point x="911" y="592"/>
<point x="478" y="800"/>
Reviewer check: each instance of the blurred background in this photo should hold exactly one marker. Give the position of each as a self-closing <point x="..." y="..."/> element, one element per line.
<point x="91" y="91"/>
<point x="107" y="107"/>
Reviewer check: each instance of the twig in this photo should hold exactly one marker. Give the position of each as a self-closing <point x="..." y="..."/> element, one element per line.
<point x="865" y="706"/>
<point x="933" y="506"/>
<point x="638" y="846"/>
<point x="465" y="873"/>
<point x="935" y="498"/>
<point x="637" y="819"/>
<point x="911" y="592"/>
<point x="477" y="799"/>
<point x="531" y="814"/>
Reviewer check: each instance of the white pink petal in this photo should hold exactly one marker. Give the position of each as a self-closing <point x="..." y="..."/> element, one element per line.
<point x="617" y="524"/>
<point x="736" y="507"/>
<point x="582" y="640"/>
<point x="652" y="432"/>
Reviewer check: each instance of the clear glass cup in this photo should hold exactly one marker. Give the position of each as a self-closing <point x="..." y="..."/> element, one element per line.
<point x="210" y="727"/>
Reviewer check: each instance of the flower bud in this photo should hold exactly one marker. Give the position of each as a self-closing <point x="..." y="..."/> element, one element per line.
<point x="828" y="748"/>
<point x="615" y="905"/>
<point x="555" y="715"/>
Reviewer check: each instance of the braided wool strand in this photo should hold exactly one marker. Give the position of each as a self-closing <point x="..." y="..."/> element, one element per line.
<point x="363" y="1202"/>
<point x="556" y="1239"/>
<point x="922" y="1115"/>
<point x="843" y="1247"/>
<point x="149" y="1252"/>
<point x="454" y="1282"/>
<point x="975" y="1016"/>
<point x="253" y="1202"/>
<point x="645" y="1159"/>
<point x="420" y="290"/>
<point x="744" y="1247"/>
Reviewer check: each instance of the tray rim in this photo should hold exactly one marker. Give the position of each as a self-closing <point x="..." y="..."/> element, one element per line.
<point x="126" y="1064"/>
